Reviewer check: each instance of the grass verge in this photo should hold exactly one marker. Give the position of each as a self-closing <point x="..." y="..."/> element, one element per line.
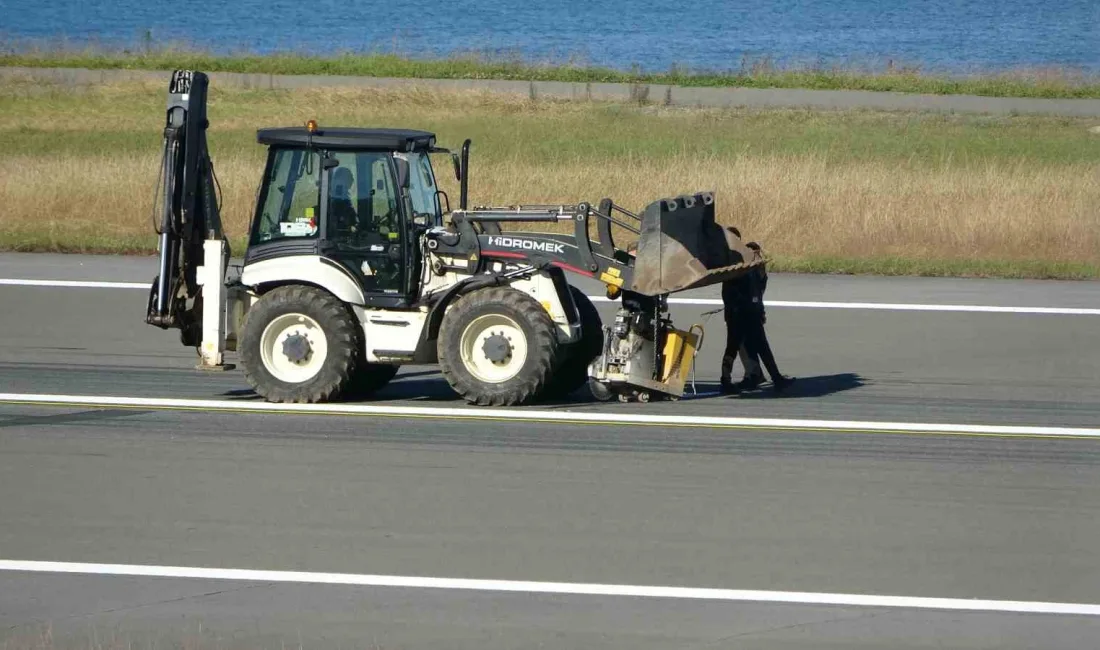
<point x="1043" y="83"/>
<point x="856" y="192"/>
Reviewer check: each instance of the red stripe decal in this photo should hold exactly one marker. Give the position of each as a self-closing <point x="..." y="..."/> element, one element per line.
<point x="574" y="269"/>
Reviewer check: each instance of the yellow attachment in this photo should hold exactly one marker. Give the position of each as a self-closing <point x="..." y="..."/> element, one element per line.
<point x="611" y="279"/>
<point x="311" y="126"/>
<point x="679" y="354"/>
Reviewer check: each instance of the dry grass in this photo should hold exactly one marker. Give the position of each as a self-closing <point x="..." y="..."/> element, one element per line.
<point x="798" y="206"/>
<point x="78" y="169"/>
<point x="804" y="206"/>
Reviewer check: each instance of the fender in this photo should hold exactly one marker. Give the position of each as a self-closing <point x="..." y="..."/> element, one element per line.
<point x="304" y="269"/>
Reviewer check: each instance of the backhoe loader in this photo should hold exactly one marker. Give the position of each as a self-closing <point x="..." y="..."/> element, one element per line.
<point x="356" y="264"/>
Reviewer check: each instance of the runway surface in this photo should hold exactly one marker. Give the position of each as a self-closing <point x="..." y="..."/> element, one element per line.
<point x="869" y="514"/>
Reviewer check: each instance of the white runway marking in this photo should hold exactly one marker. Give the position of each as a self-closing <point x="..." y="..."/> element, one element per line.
<point x="890" y="306"/>
<point x="713" y="302"/>
<point x="531" y="415"/>
<point x="75" y="283"/>
<point x="580" y="589"/>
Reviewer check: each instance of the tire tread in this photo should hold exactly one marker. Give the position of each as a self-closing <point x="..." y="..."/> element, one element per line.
<point x="339" y="325"/>
<point x="542" y="348"/>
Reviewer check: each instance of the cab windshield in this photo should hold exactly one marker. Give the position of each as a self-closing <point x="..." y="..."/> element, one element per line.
<point x="422" y="188"/>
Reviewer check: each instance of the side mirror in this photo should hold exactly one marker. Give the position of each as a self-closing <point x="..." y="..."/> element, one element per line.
<point x="458" y="166"/>
<point x="329" y="163"/>
<point x="403" y="173"/>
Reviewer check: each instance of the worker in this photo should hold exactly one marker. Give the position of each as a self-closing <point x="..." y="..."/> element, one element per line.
<point x="754" y="375"/>
<point x="743" y="308"/>
<point x="735" y="295"/>
<point x="341" y="210"/>
<point x="757" y="338"/>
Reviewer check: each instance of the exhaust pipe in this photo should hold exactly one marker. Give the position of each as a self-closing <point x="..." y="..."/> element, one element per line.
<point x="464" y="181"/>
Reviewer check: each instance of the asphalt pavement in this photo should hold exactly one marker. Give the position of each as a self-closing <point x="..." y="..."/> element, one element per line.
<point x="806" y="511"/>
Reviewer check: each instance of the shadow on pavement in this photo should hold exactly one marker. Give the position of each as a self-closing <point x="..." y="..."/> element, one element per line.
<point x="398" y="389"/>
<point x="816" y="386"/>
<point x="429" y="386"/>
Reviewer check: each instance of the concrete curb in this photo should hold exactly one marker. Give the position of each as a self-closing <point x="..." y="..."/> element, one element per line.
<point x="652" y="93"/>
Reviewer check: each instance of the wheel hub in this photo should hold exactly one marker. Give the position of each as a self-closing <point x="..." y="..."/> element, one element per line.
<point x="296" y="348"/>
<point x="493" y="348"/>
<point x="293" y="348"/>
<point x="497" y="348"/>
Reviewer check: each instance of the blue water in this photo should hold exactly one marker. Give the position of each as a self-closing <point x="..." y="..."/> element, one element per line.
<point x="937" y="35"/>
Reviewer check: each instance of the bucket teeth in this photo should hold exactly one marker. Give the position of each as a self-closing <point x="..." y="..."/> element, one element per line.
<point x="682" y="247"/>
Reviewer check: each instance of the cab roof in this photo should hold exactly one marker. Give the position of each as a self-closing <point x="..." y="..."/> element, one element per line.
<point x="350" y="138"/>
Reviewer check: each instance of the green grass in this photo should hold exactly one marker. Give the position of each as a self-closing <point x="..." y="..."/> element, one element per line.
<point x="757" y="74"/>
<point x="54" y="120"/>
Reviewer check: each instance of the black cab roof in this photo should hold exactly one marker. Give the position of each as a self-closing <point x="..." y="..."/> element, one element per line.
<point x="350" y="138"/>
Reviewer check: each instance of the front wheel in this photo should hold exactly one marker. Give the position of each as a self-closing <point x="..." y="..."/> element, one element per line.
<point x="497" y="347"/>
<point x="299" y="344"/>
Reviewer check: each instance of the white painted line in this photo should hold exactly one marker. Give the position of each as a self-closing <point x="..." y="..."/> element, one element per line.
<point x="919" y="307"/>
<point x="569" y="588"/>
<point x="525" y="415"/>
<point x="713" y="302"/>
<point x="74" y="283"/>
<point x="890" y="306"/>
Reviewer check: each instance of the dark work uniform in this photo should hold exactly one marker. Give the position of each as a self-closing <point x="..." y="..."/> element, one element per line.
<point x="743" y="301"/>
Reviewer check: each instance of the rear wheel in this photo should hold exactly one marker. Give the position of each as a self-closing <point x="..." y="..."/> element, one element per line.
<point x="576" y="357"/>
<point x="299" y="344"/>
<point x="497" y="347"/>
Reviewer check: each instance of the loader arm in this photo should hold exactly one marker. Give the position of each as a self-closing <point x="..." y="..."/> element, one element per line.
<point x="194" y="251"/>
<point x="679" y="245"/>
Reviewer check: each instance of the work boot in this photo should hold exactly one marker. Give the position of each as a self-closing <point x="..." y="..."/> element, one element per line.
<point x="728" y="387"/>
<point x="782" y="383"/>
<point x="750" y="382"/>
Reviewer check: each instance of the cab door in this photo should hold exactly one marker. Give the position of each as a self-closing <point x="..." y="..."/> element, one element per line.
<point x="364" y="224"/>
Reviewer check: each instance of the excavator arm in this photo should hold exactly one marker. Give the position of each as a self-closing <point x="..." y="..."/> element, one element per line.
<point x="194" y="251"/>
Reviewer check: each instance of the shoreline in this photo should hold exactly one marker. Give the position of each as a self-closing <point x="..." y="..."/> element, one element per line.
<point x="1044" y="82"/>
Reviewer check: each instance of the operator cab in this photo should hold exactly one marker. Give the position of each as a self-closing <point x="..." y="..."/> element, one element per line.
<point x="354" y="197"/>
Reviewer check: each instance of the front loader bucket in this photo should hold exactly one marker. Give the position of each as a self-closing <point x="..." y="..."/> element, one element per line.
<point x="681" y="247"/>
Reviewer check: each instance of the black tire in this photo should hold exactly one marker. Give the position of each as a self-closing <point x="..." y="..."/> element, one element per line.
<point x="532" y="321"/>
<point x="336" y="322"/>
<point x="369" y="378"/>
<point x="600" y="391"/>
<point x="572" y="373"/>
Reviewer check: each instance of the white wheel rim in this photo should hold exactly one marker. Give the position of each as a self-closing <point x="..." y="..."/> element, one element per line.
<point x="281" y="366"/>
<point x="476" y="360"/>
